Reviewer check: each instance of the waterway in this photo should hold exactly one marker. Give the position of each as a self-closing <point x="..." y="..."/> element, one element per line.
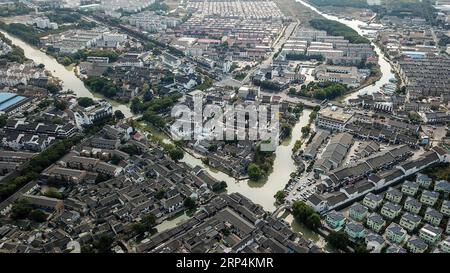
<point x="385" y="66"/>
<point x="68" y="78"/>
<point x="259" y="192"/>
<point x="263" y="192"/>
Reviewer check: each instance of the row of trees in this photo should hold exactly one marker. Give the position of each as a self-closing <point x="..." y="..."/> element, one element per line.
<point x="321" y="90"/>
<point x="37" y="165"/>
<point x="261" y="165"/>
<point x="303" y="57"/>
<point x="306" y="215"/>
<point x="14" y="9"/>
<point x="102" y="85"/>
<point x="23" y="209"/>
<point x="341" y="3"/>
<point x="24" y="32"/>
<point x="16" y="55"/>
<point x="335" y="28"/>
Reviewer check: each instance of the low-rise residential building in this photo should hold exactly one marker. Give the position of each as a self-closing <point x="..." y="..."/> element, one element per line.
<point x="445" y="208"/>
<point x="391" y="210"/>
<point x="354" y="230"/>
<point x="375" y="242"/>
<point x="358" y="212"/>
<point x="335" y="220"/>
<point x="424" y="180"/>
<point x="410" y="188"/>
<point x="394" y="195"/>
<point x="410" y="221"/>
<point x="433" y="216"/>
<point x="416" y="245"/>
<point x="395" y="233"/>
<point x="430" y="234"/>
<point x="429" y="197"/>
<point x="372" y="201"/>
<point x="444" y="246"/>
<point x="412" y="205"/>
<point x="375" y="222"/>
<point x="442" y="186"/>
<point x="395" y="249"/>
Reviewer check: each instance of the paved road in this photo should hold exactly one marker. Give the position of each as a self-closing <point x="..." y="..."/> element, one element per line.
<point x="281" y="40"/>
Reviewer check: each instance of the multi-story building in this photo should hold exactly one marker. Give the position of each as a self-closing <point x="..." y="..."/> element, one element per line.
<point x="375" y="222"/>
<point x="335" y="220"/>
<point x="412" y="205"/>
<point x="391" y="210"/>
<point x="395" y="233"/>
<point x="354" y="230"/>
<point x="424" y="180"/>
<point x="433" y="216"/>
<point x="416" y="245"/>
<point x="410" y="188"/>
<point x="445" y="208"/>
<point x="429" y="197"/>
<point x="394" y="195"/>
<point x="358" y="212"/>
<point x="430" y="234"/>
<point x="372" y="201"/>
<point x="410" y="221"/>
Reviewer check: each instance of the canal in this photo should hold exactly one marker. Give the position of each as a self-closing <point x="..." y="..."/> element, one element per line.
<point x="68" y="78"/>
<point x="259" y="192"/>
<point x="385" y="66"/>
<point x="263" y="192"/>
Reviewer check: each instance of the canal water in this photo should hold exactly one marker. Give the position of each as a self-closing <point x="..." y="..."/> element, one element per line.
<point x="68" y="78"/>
<point x="263" y="192"/>
<point x="385" y="66"/>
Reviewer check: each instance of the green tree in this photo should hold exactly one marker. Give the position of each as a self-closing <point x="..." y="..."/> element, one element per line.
<point x="313" y="221"/>
<point x="306" y="215"/>
<point x="85" y="102"/>
<point x="37" y="215"/>
<point x="176" y="154"/>
<point x="338" y="239"/>
<point x="3" y="120"/>
<point x="160" y="194"/>
<point x="53" y="193"/>
<point x="139" y="228"/>
<point x="149" y="220"/>
<point x="21" y="209"/>
<point x="119" y="115"/>
<point x="254" y="172"/>
<point x="103" y="244"/>
<point x="414" y="117"/>
<point x="60" y="104"/>
<point x="361" y="248"/>
<point x="305" y="131"/>
<point x="280" y="196"/>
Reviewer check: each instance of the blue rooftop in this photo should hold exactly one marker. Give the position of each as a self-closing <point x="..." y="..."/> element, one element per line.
<point x="9" y="99"/>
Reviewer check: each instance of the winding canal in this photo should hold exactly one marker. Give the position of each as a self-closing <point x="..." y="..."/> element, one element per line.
<point x="68" y="78"/>
<point x="259" y="192"/>
<point x="263" y="192"/>
<point x="385" y="66"/>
